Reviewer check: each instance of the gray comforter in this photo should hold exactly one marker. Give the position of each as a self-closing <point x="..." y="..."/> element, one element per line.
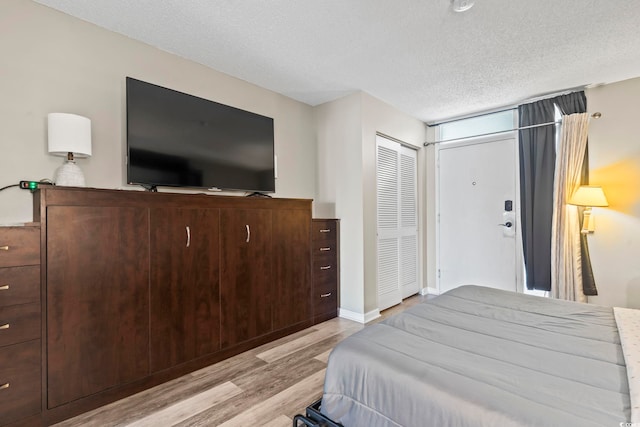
<point x="476" y="356"/>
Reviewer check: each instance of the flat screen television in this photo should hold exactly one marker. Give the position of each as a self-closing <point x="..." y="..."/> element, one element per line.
<point x="180" y="140"/>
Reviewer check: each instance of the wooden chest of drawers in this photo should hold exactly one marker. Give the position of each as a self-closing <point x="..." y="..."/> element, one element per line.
<point x="326" y="268"/>
<point x="20" y="324"/>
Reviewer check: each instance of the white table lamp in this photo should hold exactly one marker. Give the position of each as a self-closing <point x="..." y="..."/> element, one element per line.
<point x="70" y="137"/>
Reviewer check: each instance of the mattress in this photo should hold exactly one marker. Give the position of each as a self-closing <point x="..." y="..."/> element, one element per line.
<point x="476" y="356"/>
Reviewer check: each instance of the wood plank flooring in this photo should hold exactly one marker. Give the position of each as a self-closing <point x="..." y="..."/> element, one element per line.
<point x="264" y="386"/>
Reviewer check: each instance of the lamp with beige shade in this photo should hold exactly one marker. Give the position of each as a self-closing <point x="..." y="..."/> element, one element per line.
<point x="588" y="196"/>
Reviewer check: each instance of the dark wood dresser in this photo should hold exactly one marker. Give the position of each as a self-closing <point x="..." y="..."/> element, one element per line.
<point x="325" y="249"/>
<point x="140" y="288"/>
<point x="20" y="327"/>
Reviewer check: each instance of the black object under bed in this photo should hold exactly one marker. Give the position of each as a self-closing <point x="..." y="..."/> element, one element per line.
<point x="314" y="418"/>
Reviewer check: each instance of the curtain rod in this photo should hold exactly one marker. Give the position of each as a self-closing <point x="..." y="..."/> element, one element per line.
<point x="595" y="115"/>
<point x="513" y="107"/>
<point x="487" y="113"/>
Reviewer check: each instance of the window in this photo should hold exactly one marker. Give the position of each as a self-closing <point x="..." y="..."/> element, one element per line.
<point x="500" y="121"/>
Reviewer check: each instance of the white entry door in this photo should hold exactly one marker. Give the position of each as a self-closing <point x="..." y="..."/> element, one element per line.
<point x="477" y="215"/>
<point x="397" y="197"/>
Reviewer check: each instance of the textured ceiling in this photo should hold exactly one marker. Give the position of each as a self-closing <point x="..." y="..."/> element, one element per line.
<point x="417" y="55"/>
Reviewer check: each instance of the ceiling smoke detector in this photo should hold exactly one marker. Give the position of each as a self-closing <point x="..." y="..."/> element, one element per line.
<point x="461" y="5"/>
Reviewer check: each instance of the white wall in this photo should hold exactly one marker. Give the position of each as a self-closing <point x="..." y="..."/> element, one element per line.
<point x="339" y="192"/>
<point x="51" y="62"/>
<point x="379" y="117"/>
<point x="346" y="131"/>
<point x="614" y="158"/>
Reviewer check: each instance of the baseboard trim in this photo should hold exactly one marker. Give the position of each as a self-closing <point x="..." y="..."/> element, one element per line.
<point x="429" y="291"/>
<point x="372" y="315"/>
<point x="359" y="317"/>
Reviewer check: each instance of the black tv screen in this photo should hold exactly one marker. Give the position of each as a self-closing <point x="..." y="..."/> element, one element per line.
<point x="179" y="140"/>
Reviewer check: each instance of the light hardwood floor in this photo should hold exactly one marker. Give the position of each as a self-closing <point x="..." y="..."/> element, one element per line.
<point x="265" y="386"/>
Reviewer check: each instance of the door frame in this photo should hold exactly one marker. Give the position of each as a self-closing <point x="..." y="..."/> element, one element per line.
<point x="464" y="142"/>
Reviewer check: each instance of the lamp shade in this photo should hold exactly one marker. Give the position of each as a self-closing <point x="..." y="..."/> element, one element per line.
<point x="69" y="133"/>
<point x="589" y="195"/>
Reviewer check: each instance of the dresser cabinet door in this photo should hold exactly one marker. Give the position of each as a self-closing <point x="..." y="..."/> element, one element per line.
<point x="97" y="299"/>
<point x="246" y="277"/>
<point x="185" y="300"/>
<point x="292" y="255"/>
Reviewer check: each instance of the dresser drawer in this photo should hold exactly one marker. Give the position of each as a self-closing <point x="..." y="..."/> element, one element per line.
<point x="19" y="323"/>
<point x="19" y="246"/>
<point x="325" y="299"/>
<point x="322" y="231"/>
<point x="323" y="248"/>
<point x="322" y="277"/>
<point x="19" y="285"/>
<point x="325" y="259"/>
<point x="323" y="267"/>
<point x="19" y="381"/>
<point x="320" y="290"/>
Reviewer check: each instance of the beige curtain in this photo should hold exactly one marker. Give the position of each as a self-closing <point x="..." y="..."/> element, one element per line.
<point x="566" y="269"/>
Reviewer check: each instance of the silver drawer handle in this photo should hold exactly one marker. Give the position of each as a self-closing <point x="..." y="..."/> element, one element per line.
<point x="325" y="267"/>
<point x="248" y="233"/>
<point x="325" y="230"/>
<point x="4" y="248"/>
<point x="4" y="288"/>
<point x="188" y="236"/>
<point x="324" y="249"/>
<point x="5" y="326"/>
<point x="5" y="385"/>
<point x="325" y="295"/>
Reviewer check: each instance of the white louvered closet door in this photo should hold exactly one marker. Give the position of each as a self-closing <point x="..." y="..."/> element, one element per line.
<point x="397" y="222"/>
<point x="408" y="221"/>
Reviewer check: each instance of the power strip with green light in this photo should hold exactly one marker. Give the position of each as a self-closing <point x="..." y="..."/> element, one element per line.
<point x="32" y="185"/>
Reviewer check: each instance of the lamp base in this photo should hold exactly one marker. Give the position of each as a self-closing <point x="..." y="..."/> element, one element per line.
<point x="69" y="175"/>
<point x="588" y="226"/>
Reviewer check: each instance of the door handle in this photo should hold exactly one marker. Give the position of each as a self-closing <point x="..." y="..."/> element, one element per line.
<point x="248" y="233"/>
<point x="507" y="224"/>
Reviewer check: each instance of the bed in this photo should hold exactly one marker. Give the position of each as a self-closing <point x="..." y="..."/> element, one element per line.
<point x="477" y="356"/>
